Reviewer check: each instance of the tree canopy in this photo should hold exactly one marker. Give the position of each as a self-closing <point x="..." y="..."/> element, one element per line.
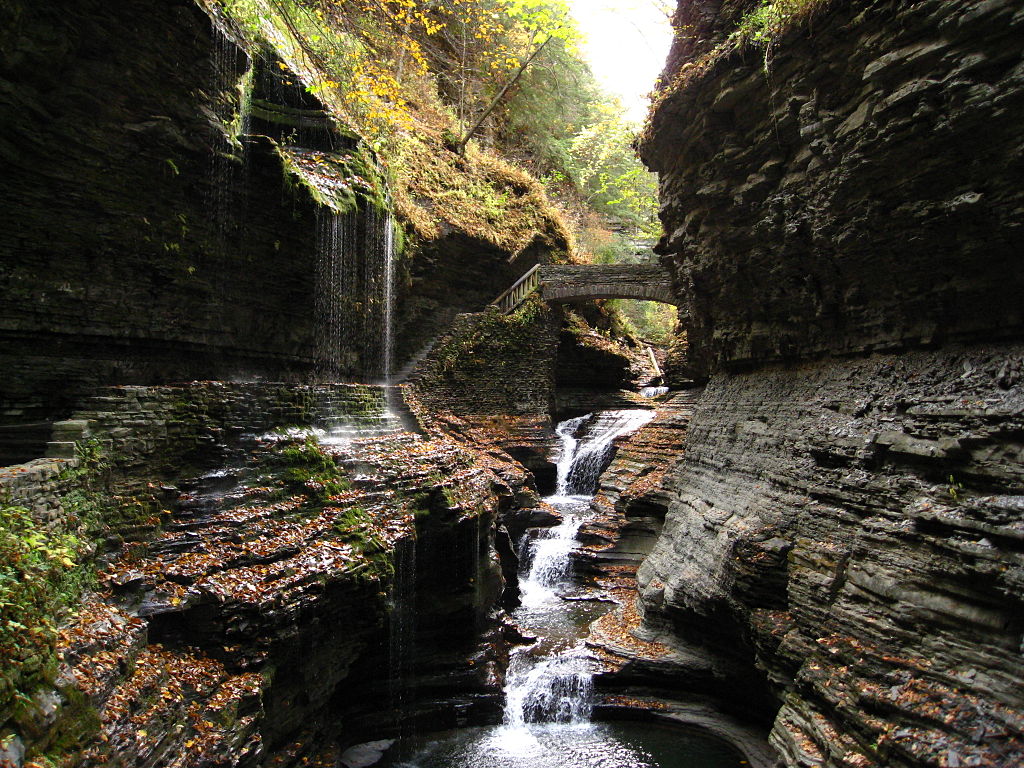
<point x="506" y="74"/>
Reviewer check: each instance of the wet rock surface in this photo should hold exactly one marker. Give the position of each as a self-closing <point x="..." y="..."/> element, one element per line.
<point x="846" y="516"/>
<point x="850" y="521"/>
<point x="270" y="614"/>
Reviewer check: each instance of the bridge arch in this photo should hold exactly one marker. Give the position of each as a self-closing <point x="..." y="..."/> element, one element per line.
<point x="578" y="282"/>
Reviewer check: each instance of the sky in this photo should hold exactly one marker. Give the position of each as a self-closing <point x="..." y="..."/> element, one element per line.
<point x="626" y="43"/>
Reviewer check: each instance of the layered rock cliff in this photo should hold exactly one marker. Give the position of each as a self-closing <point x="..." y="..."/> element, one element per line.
<point x="132" y="253"/>
<point x="841" y="213"/>
<point x="261" y="597"/>
<point x="179" y="205"/>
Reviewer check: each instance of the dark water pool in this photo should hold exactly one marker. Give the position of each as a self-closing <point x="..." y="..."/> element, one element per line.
<point x="604" y="745"/>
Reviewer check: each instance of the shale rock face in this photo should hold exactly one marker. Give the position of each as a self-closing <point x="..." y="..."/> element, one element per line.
<point x="177" y="205"/>
<point x="128" y="252"/>
<point x="847" y="514"/>
<point x="858" y="522"/>
<point x="862" y="194"/>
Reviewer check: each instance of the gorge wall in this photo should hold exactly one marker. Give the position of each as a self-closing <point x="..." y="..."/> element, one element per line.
<point x="842" y="216"/>
<point x="132" y="252"/>
<point x="177" y="206"/>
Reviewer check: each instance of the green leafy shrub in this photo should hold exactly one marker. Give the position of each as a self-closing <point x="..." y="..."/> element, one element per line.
<point x="773" y="18"/>
<point x="41" y="576"/>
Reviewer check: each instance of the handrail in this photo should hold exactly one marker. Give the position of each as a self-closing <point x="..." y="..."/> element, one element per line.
<point x="517" y="294"/>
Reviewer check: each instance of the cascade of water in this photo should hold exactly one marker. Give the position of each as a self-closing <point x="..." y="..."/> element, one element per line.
<point x="332" y="284"/>
<point x="651" y="392"/>
<point x="230" y="91"/>
<point x="566" y="432"/>
<point x="370" y="324"/>
<point x="355" y="294"/>
<point x="389" y="297"/>
<point x="581" y="461"/>
<point x="546" y="556"/>
<point x="558" y="688"/>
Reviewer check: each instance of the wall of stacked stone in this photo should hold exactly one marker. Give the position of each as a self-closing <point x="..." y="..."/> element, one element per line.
<point x="470" y="372"/>
<point x="38" y="485"/>
<point x="148" y="428"/>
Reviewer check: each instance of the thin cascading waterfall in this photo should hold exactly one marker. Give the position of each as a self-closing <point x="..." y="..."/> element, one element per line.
<point x="328" y="292"/>
<point x="592" y="452"/>
<point x="354" y="293"/>
<point x="389" y="298"/>
<point x="373" y="329"/>
<point x="231" y="94"/>
<point x="392" y="397"/>
<point x="371" y="295"/>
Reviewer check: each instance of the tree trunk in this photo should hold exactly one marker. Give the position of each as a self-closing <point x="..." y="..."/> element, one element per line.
<point x="461" y="148"/>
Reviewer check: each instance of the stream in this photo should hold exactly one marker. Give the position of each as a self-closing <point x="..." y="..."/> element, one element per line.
<point x="549" y="688"/>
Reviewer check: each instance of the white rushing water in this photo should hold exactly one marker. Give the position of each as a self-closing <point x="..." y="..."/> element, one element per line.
<point x="389" y="298"/>
<point x="553" y="684"/>
<point x="651" y="392"/>
<point x="549" y="685"/>
<point x="587" y="443"/>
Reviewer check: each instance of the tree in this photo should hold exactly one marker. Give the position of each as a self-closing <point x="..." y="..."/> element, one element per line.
<point x="609" y="174"/>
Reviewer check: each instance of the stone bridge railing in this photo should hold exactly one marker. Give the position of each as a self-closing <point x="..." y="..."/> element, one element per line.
<point x="578" y="282"/>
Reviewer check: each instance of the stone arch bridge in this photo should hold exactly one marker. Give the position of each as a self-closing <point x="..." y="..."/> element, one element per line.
<point x="559" y="283"/>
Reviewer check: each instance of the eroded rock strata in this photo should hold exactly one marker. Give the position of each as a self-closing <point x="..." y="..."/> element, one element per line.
<point x="272" y="597"/>
<point x="847" y="516"/>
<point x="865" y="188"/>
<point x="177" y="204"/>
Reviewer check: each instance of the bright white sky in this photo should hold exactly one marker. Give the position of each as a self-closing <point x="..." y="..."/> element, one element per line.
<point x="626" y="43"/>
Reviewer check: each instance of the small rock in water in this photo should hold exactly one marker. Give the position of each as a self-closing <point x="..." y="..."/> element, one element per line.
<point x="364" y="755"/>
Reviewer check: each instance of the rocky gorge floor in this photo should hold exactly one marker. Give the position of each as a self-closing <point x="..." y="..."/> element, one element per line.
<point x="217" y="640"/>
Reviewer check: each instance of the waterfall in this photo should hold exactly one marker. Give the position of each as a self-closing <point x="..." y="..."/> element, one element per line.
<point x="556" y="687"/>
<point x="355" y="274"/>
<point x="231" y="94"/>
<point x="582" y="458"/>
<point x="334" y="284"/>
<point x="549" y="686"/>
<point x="389" y="298"/>
<point x="566" y="432"/>
<point x="546" y="556"/>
